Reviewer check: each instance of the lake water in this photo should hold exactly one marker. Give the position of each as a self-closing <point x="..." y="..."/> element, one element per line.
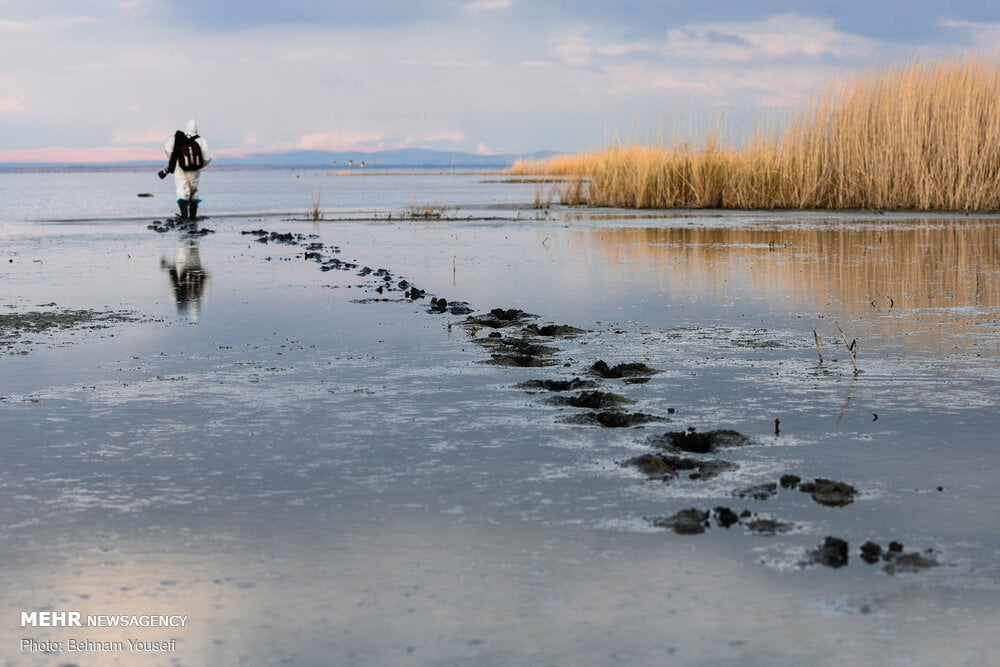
<point x="315" y="472"/>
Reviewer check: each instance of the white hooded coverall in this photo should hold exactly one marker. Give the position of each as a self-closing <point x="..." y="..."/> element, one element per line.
<point x="186" y="182"/>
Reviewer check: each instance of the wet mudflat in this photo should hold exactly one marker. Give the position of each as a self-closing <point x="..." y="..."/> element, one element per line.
<point x="628" y="452"/>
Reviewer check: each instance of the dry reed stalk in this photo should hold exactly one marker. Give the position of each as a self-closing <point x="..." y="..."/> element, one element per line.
<point x="850" y="349"/>
<point x="542" y="200"/>
<point x="426" y="211"/>
<point x="819" y="347"/>
<point x="572" y="193"/>
<point x="923" y="135"/>
<point x="315" y="210"/>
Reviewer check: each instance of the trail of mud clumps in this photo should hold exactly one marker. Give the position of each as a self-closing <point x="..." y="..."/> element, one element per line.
<point x="515" y="340"/>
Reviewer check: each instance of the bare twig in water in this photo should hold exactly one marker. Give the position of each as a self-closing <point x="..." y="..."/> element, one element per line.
<point x="819" y="347"/>
<point x="851" y="347"/>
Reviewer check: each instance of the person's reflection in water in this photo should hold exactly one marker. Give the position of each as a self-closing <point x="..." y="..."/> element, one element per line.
<point x="187" y="277"/>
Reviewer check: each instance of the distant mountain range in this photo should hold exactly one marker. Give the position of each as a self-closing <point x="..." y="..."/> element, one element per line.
<point x="405" y="157"/>
<point x="414" y="158"/>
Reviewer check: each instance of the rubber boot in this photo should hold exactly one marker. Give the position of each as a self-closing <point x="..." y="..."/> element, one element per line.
<point x="193" y="208"/>
<point x="183" y="205"/>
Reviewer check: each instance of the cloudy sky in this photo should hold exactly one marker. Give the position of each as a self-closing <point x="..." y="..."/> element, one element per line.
<point x="95" y="79"/>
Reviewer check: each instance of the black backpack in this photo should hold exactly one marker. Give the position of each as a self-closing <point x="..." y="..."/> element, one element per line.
<point x="188" y="151"/>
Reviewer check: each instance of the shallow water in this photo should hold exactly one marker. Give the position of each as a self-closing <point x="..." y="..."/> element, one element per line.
<point x="315" y="480"/>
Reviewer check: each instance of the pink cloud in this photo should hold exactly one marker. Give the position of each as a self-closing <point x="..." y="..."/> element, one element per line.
<point x="332" y="141"/>
<point x="10" y="104"/>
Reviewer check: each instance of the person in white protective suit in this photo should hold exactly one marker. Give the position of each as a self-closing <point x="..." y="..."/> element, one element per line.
<point x="188" y="155"/>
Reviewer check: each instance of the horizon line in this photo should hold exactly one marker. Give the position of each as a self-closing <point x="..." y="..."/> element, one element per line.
<point x="118" y="154"/>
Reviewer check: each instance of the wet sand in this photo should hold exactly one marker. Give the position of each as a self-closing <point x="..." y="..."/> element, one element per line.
<point x="319" y="472"/>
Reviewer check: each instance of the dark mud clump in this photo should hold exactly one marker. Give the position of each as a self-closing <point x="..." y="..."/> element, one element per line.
<point x="725" y="517"/>
<point x="693" y="521"/>
<point x="832" y="553"/>
<point x="519" y="352"/>
<point x="593" y="400"/>
<point x="697" y="442"/>
<point x="532" y="349"/>
<point x="830" y="493"/>
<point x="686" y="522"/>
<point x="713" y="468"/>
<point x="757" y="492"/>
<point x="498" y="318"/>
<point x="911" y="562"/>
<point x="520" y="361"/>
<point x="766" y="526"/>
<point x="334" y="264"/>
<point x="895" y="559"/>
<point x="187" y="226"/>
<point x="790" y="481"/>
<point x="521" y="346"/>
<point x="611" y="419"/>
<point x="632" y="370"/>
<point x="655" y="466"/>
<point x="278" y="237"/>
<point x="459" y="308"/>
<point x="442" y="305"/>
<point x="557" y="385"/>
<point x="871" y="553"/>
<point x="553" y="330"/>
<point x="824" y="491"/>
<point x="665" y="467"/>
<point x="509" y="314"/>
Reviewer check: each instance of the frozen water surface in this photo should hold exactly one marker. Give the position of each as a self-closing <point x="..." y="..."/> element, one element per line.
<point x="319" y="473"/>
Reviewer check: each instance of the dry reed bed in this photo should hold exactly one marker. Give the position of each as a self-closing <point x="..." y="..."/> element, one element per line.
<point x="924" y="135"/>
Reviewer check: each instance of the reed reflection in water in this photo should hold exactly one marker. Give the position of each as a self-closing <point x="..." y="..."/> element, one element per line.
<point x="847" y="269"/>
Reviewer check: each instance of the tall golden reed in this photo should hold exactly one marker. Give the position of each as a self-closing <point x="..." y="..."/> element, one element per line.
<point x="924" y="135"/>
